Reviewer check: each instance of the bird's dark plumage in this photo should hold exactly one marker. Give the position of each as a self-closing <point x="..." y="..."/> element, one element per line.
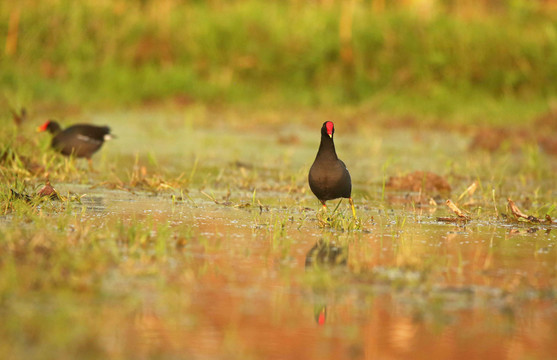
<point x="328" y="177"/>
<point x="81" y="140"/>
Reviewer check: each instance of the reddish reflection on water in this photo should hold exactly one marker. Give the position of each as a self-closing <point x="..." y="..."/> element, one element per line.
<point x="431" y="292"/>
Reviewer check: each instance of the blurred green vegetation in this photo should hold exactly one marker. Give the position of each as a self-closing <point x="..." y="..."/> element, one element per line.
<point x="431" y="57"/>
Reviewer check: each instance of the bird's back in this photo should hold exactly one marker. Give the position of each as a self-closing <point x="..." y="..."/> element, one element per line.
<point x="81" y="140"/>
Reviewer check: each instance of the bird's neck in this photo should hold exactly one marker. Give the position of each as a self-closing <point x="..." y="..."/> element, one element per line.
<point x="327" y="148"/>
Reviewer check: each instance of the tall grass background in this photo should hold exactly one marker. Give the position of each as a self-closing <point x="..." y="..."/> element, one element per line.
<point x="425" y="55"/>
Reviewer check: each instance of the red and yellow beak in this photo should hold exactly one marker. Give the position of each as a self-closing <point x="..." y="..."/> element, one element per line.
<point x="330" y="128"/>
<point x="43" y="126"/>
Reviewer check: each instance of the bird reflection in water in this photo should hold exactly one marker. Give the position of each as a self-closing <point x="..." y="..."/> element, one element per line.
<point x="324" y="255"/>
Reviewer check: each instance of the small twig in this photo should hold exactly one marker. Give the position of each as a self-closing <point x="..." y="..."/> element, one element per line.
<point x="210" y="197"/>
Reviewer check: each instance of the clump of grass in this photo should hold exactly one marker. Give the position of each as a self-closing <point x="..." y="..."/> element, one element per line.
<point x="339" y="220"/>
<point x="21" y="198"/>
<point x="141" y="177"/>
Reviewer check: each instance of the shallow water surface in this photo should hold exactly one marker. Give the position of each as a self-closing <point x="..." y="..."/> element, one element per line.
<point x="271" y="283"/>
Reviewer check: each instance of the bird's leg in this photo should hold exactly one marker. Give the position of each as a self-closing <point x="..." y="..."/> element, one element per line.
<point x="324" y="219"/>
<point x="352" y="205"/>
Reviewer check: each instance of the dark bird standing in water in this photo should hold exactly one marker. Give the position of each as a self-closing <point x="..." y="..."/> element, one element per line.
<point x="328" y="177"/>
<point x="81" y="140"/>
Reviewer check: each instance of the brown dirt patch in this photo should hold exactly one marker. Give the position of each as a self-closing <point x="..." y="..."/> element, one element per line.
<point x="419" y="181"/>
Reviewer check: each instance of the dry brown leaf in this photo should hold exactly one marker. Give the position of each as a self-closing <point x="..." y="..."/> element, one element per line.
<point x="48" y="191"/>
<point x="515" y="210"/>
<point x="451" y="205"/>
<point x="519" y="214"/>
